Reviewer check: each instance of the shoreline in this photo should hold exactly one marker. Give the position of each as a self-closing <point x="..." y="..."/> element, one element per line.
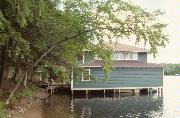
<point x="24" y="104"/>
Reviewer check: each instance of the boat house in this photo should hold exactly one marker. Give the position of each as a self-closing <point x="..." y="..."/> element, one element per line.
<point x="130" y="70"/>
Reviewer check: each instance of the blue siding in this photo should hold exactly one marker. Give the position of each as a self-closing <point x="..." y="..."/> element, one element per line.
<point x="142" y="56"/>
<point x="123" y="77"/>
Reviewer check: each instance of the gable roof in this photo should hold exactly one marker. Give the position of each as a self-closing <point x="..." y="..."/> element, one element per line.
<point x="124" y="48"/>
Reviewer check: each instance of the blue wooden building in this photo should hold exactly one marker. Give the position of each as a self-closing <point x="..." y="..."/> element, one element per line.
<point x="130" y="70"/>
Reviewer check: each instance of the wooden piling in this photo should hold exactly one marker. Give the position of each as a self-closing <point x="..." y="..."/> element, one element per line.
<point x="114" y="93"/>
<point x="86" y="92"/>
<point x="104" y="93"/>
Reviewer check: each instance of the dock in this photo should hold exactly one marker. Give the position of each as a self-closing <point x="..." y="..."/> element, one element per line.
<point x="53" y="86"/>
<point x="118" y="90"/>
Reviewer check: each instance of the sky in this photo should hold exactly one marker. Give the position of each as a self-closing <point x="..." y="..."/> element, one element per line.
<point x="171" y="53"/>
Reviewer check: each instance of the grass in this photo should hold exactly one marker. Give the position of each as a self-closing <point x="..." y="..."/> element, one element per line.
<point x="26" y="92"/>
<point x="2" y="107"/>
<point x="22" y="93"/>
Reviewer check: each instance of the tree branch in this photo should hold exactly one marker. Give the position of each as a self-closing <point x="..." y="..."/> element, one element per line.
<point x="36" y="63"/>
<point x="55" y="45"/>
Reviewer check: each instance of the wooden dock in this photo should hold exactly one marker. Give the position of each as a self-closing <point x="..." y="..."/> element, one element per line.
<point x="133" y="90"/>
<point x="53" y="86"/>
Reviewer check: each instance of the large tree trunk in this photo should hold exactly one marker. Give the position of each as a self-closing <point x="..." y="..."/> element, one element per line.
<point x="15" y="76"/>
<point x="38" y="61"/>
<point x="3" y="64"/>
<point x="25" y="79"/>
<point x="15" y="88"/>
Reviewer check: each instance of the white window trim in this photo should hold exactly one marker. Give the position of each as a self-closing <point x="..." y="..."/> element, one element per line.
<point x="89" y="71"/>
<point x="124" y="56"/>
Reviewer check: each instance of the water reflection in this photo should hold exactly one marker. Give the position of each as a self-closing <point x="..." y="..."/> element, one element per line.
<point x="131" y="106"/>
<point x="57" y="107"/>
<point x="125" y="106"/>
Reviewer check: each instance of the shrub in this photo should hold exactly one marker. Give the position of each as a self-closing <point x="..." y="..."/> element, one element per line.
<point x="2" y="114"/>
<point x="24" y="93"/>
<point x="2" y="106"/>
<point x="1" y="93"/>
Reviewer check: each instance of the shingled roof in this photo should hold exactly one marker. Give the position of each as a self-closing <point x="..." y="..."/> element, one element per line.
<point x="122" y="63"/>
<point x="124" y="47"/>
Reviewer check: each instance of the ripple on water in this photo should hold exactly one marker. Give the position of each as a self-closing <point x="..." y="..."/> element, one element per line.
<point x="154" y="106"/>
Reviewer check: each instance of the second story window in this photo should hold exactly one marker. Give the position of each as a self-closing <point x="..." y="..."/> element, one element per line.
<point x="131" y="56"/>
<point x="116" y="55"/>
<point x="125" y="56"/>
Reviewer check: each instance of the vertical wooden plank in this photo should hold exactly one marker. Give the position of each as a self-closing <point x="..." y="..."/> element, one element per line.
<point x="114" y="93"/>
<point x="104" y="93"/>
<point x="72" y="92"/>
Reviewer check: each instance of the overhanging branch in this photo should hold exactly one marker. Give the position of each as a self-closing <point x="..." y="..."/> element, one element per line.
<point x="58" y="43"/>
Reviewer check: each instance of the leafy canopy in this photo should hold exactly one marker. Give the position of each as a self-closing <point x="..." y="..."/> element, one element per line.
<point x="55" y="31"/>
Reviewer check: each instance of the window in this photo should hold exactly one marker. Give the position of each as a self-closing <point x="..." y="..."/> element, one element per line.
<point x="85" y="75"/>
<point x="135" y="56"/>
<point x="115" y="56"/>
<point x="131" y="56"/>
<point x="122" y="56"/>
<point x="125" y="56"/>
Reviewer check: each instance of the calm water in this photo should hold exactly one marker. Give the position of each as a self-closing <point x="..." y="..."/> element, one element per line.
<point x="125" y="106"/>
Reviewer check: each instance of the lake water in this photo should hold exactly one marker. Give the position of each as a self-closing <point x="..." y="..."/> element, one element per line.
<point x="124" y="106"/>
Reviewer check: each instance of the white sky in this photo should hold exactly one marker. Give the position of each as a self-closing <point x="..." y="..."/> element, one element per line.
<point x="171" y="53"/>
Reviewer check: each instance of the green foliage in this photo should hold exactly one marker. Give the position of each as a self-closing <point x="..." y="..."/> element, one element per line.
<point x="14" y="98"/>
<point x="171" y="69"/>
<point x="2" y="114"/>
<point x="26" y="92"/>
<point x="1" y="93"/>
<point x="58" y="73"/>
<point x="2" y="107"/>
<point x="105" y="54"/>
<point x="32" y="27"/>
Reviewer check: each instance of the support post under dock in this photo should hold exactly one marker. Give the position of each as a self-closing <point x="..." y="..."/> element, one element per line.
<point x="72" y="92"/>
<point x="104" y="93"/>
<point x="136" y="91"/>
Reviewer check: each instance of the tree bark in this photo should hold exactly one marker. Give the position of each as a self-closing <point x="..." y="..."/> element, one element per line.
<point x="3" y="67"/>
<point x="25" y="80"/>
<point x="15" y="76"/>
<point x="39" y="60"/>
<point x="15" y="88"/>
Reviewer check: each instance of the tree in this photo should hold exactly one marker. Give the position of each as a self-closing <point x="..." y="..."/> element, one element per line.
<point x="50" y="31"/>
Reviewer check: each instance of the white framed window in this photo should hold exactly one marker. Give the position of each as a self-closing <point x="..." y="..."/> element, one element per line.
<point x="86" y="74"/>
<point x="135" y="56"/>
<point x="124" y="56"/>
<point x="121" y="56"/>
<point x="131" y="56"/>
<point x="116" y="55"/>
